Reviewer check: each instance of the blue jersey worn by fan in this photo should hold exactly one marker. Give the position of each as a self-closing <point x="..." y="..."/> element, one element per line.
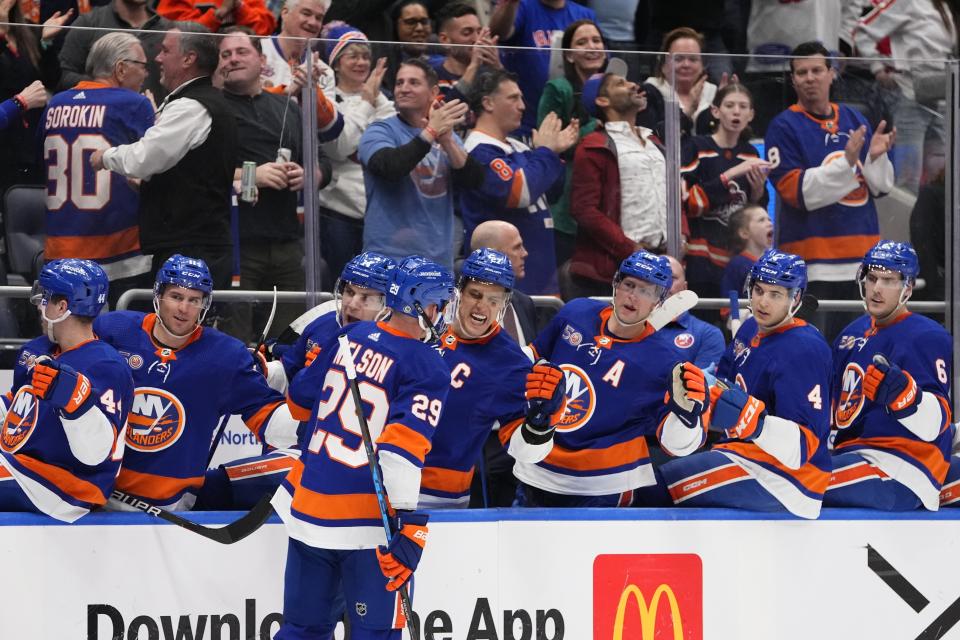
<point x="617" y="369"/>
<point x="187" y="377"/>
<point x="328" y="502"/>
<point x="892" y="373"/>
<point x="93" y="214"/>
<point x="488" y="377"/>
<point x="63" y="428"/>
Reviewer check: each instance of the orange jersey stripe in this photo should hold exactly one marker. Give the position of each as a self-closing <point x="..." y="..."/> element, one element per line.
<point x="702" y="482"/>
<point x="93" y="247"/>
<point x="4" y="473"/>
<point x="299" y="413"/>
<point x="856" y="472"/>
<point x="154" y="487"/>
<point x="64" y="480"/>
<point x="447" y="480"/>
<point x="789" y="187"/>
<point x="811" y="477"/>
<point x="348" y="506"/>
<point x="403" y="437"/>
<point x="256" y="421"/>
<point x="516" y="189"/>
<point x="506" y="431"/>
<point x="837" y="247"/>
<point x="926" y="453"/>
<point x="598" y="459"/>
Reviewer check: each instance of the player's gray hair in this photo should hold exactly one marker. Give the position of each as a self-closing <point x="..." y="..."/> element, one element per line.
<point x="197" y="39"/>
<point x="289" y="5"/>
<point x="108" y="51"/>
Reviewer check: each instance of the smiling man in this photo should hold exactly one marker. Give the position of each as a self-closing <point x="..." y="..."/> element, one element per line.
<point x="892" y="373"/>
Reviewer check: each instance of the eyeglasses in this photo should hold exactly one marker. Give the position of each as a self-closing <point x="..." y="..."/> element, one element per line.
<point x="412" y="22"/>
<point x="139" y="62"/>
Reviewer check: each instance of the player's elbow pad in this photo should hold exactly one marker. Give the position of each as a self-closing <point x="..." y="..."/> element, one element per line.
<point x="531" y="445"/>
<point x="401" y="480"/>
<point x="91" y="436"/>
<point x="927" y="421"/>
<point x="781" y="439"/>
<point x="280" y="431"/>
<point x="277" y="376"/>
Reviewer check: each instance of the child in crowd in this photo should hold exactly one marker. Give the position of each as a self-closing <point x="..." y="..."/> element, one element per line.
<point x="750" y="234"/>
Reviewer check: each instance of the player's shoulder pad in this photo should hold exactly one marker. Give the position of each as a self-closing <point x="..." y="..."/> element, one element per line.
<point x="580" y="306"/>
<point x="114" y="322"/>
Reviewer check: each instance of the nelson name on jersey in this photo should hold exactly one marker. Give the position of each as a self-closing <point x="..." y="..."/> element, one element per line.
<point x="370" y="363"/>
<point x="68" y="115"/>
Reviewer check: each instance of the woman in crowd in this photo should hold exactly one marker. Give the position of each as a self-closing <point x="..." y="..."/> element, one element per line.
<point x="412" y="28"/>
<point x="584" y="55"/>
<point x="360" y="101"/>
<point x="722" y="173"/>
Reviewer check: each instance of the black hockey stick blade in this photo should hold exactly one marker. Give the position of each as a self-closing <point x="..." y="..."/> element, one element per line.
<point x="233" y="532"/>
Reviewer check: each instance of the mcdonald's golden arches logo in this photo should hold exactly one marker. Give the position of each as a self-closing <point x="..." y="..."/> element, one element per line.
<point x="648" y="597"/>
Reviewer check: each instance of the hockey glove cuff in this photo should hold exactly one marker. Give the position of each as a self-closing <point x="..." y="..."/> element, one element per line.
<point x="546" y="396"/>
<point x="399" y="559"/>
<point x="688" y="392"/>
<point x="60" y="385"/>
<point x="738" y="414"/>
<point x="891" y="386"/>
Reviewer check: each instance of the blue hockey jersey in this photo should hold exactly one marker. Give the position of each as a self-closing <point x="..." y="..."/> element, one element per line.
<point x="179" y="399"/>
<point x="93" y="214"/>
<point x="615" y="397"/>
<point x="517" y="183"/>
<point x="49" y="454"/>
<point x="487" y="380"/>
<point x="328" y="499"/>
<point x="315" y="334"/>
<point x="788" y="369"/>
<point x="922" y="348"/>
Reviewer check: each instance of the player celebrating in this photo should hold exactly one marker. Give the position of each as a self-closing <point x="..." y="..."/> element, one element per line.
<point x="892" y="377"/>
<point x="187" y="377"/>
<point x="775" y="417"/>
<point x="327" y="501"/>
<point x="358" y="295"/>
<point x="62" y="436"/>
<point x="488" y="374"/>
<point x="616" y="369"/>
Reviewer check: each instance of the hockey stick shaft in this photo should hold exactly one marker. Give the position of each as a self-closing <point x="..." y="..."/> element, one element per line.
<point x="233" y="532"/>
<point x="346" y="357"/>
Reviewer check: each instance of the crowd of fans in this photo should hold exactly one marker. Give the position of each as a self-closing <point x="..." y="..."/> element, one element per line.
<point x="540" y="113"/>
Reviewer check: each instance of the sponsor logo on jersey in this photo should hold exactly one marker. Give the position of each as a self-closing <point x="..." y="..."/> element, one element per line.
<point x="851" y="399"/>
<point x="361" y="608"/>
<point x="648" y="597"/>
<point x="684" y="340"/>
<point x="156" y="420"/>
<point x="20" y="421"/>
<point x="375" y="336"/>
<point x="581" y="398"/>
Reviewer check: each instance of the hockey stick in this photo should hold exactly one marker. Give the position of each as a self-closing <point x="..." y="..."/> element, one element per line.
<point x="233" y="532"/>
<point x="375" y="473"/>
<point x="734" y="311"/>
<point x="672" y="307"/>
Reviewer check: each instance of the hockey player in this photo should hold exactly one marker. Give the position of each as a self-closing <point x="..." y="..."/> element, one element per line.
<point x="63" y="432"/>
<point x="187" y="377"/>
<point x="327" y="501"/>
<point x="358" y="295"/>
<point x="891" y="390"/>
<point x="775" y="413"/>
<point x="488" y="375"/>
<point x="616" y="369"/>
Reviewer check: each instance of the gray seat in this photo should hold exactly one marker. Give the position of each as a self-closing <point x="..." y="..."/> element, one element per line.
<point x="24" y="211"/>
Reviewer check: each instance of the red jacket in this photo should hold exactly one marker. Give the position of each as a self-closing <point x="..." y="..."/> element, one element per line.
<point x="248" y="13"/>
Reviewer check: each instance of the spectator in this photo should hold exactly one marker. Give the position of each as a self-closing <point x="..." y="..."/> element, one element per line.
<point x="722" y="172"/>
<point x="929" y="238"/>
<point x="132" y="15"/>
<point x="24" y="58"/>
<point x="32" y="96"/>
<point x="681" y="71"/>
<point x="706" y="17"/>
<point x="751" y="233"/>
<point x="520" y="318"/>
<point x="532" y="24"/>
<point x="562" y="97"/>
<point x="411" y="164"/>
<point x="697" y="341"/>
<point x="518" y="179"/>
<point x="827" y="166"/>
<point x="271" y="237"/>
<point x="619" y="187"/>
<point x="252" y="14"/>
<point x="458" y="25"/>
<point x="360" y="101"/>
<point x="186" y="160"/>
<point x="98" y="222"/>
<point x="411" y="29"/>
<point x="919" y="33"/>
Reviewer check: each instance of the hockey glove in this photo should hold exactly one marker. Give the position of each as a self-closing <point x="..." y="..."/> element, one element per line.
<point x="688" y="393"/>
<point x="891" y="386"/>
<point x="260" y="359"/>
<point x="311" y="355"/>
<point x="738" y="414"/>
<point x="546" y="395"/>
<point x="60" y="385"/>
<point x="399" y="559"/>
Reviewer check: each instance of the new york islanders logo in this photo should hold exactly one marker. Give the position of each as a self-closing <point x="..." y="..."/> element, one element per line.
<point x="581" y="398"/>
<point x="684" y="340"/>
<point x="20" y="421"/>
<point x="156" y="420"/>
<point x="851" y="397"/>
